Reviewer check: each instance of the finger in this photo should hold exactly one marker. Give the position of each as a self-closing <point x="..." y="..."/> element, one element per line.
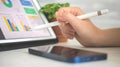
<point x="69" y="33"/>
<point x="66" y="28"/>
<point x="59" y="16"/>
<point x="69" y="36"/>
<point x="76" y="11"/>
<point x="73" y="10"/>
<point x="72" y="20"/>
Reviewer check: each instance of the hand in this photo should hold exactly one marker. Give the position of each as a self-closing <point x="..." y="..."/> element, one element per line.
<point x="84" y="30"/>
<point x="72" y="27"/>
<point x="66" y="28"/>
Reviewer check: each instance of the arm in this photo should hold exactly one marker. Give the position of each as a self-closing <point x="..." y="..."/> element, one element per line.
<point x="102" y="38"/>
<point x="110" y="37"/>
<point x="85" y="31"/>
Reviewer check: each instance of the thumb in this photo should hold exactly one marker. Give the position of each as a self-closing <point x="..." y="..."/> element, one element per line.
<point x="72" y="20"/>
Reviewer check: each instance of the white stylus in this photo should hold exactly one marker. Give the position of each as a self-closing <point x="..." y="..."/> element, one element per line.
<point x="85" y="16"/>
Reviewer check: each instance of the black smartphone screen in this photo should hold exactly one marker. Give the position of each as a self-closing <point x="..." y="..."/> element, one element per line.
<point x="71" y="52"/>
<point x="67" y="54"/>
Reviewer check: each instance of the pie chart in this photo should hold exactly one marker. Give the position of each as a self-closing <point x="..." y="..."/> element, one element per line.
<point x="7" y="3"/>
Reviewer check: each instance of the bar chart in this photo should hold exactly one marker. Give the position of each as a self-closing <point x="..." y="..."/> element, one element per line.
<point x="17" y="17"/>
<point x="24" y="27"/>
<point x="10" y="25"/>
<point x="16" y="26"/>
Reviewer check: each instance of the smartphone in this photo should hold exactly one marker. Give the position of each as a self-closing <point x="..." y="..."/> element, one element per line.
<point x="67" y="54"/>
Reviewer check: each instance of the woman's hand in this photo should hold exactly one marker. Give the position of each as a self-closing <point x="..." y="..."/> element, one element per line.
<point x="72" y="27"/>
<point x="84" y="30"/>
<point x="66" y="27"/>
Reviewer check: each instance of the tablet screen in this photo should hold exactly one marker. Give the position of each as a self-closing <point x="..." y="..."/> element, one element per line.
<point x="17" y="17"/>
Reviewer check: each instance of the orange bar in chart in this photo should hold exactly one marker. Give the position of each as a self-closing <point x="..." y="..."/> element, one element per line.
<point x="14" y="27"/>
<point x="33" y="16"/>
<point x="22" y="26"/>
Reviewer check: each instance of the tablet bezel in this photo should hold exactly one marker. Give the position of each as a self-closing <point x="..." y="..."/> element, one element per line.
<point x="38" y="40"/>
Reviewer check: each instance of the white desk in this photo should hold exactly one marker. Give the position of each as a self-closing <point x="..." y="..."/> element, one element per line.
<point x="21" y="58"/>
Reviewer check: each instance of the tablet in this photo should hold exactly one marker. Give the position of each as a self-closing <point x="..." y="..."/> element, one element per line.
<point x="17" y="17"/>
<point x="67" y="54"/>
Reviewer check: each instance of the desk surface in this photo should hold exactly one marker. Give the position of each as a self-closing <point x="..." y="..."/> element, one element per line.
<point x="21" y="58"/>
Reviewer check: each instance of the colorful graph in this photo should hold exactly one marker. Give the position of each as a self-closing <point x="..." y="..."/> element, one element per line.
<point x="25" y="27"/>
<point x="11" y="26"/>
<point x="7" y="3"/>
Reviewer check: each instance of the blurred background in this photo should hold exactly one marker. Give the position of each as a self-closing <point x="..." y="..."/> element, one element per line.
<point x="110" y="20"/>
